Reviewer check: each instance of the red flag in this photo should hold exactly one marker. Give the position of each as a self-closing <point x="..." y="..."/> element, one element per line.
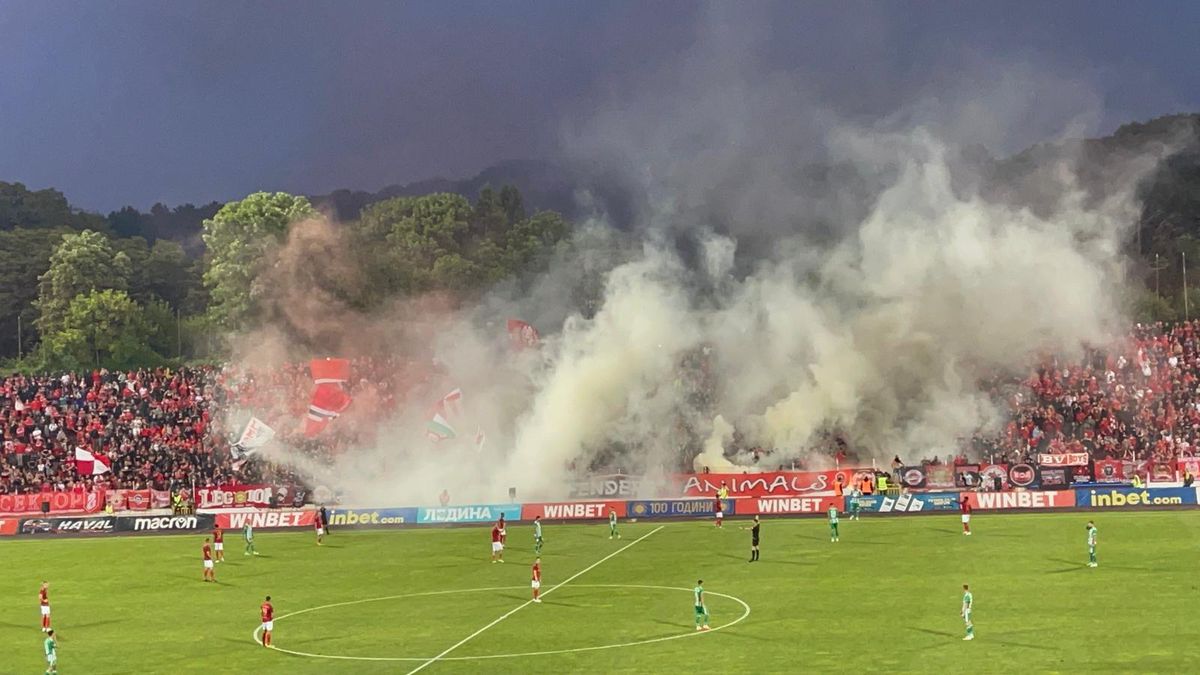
<point x="90" y="465"/>
<point x="522" y="335"/>
<point x="329" y="398"/>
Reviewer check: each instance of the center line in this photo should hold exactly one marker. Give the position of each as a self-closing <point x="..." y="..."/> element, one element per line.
<point x="529" y="602"/>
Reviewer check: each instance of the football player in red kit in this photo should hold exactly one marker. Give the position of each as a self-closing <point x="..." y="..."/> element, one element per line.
<point x="537" y="579"/>
<point x="268" y="622"/>
<point x="497" y="544"/>
<point x="218" y="544"/>
<point x="206" y="551"/>
<point x="965" y="507"/>
<point x="44" y="601"/>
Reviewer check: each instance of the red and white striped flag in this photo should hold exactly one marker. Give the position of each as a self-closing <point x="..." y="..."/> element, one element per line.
<point x="90" y="465"/>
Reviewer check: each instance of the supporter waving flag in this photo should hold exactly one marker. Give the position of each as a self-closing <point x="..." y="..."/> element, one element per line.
<point x="445" y="412"/>
<point x="329" y="398"/>
<point x="88" y="464"/>
<point x="522" y="335"/>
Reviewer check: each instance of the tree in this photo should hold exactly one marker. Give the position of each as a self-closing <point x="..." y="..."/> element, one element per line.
<point x="239" y="237"/>
<point x="80" y="263"/>
<point x="24" y="255"/>
<point x="442" y="242"/>
<point x="100" y="328"/>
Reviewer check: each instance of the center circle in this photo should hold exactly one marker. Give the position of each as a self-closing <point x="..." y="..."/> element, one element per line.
<point x="571" y="650"/>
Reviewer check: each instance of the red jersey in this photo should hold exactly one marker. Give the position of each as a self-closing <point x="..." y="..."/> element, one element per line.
<point x="207" y="552"/>
<point x="218" y="536"/>
<point x="317" y="524"/>
<point x="537" y="572"/>
<point x="496" y="533"/>
<point x="43" y="597"/>
<point x="268" y="612"/>
<point x="964" y="506"/>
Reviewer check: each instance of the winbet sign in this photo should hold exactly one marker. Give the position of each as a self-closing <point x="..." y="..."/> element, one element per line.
<point x="1134" y="498"/>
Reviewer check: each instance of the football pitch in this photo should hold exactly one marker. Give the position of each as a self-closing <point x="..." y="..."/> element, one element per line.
<point x="884" y="598"/>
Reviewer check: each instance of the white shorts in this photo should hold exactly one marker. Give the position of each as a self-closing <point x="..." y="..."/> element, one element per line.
<point x="208" y="564"/>
<point x="52" y="659"/>
<point x="220" y="546"/>
<point x="966" y="517"/>
<point x="268" y="625"/>
<point x="320" y="531"/>
<point x="497" y="547"/>
<point x="535" y="583"/>
<point x="45" y="610"/>
<point x="719" y="514"/>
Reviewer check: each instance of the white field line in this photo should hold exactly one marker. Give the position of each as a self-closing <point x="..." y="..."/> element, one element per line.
<point x="548" y="591"/>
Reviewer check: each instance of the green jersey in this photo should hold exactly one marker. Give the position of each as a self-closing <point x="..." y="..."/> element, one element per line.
<point x="612" y="518"/>
<point x="50" y="646"/>
<point x="248" y="532"/>
<point x="833" y="515"/>
<point x="699" y="596"/>
<point x="537" y="529"/>
<point x="967" y="600"/>
<point x="1092" y="536"/>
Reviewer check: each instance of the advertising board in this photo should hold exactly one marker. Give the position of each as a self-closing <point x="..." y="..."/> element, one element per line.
<point x="473" y="513"/>
<point x="572" y="510"/>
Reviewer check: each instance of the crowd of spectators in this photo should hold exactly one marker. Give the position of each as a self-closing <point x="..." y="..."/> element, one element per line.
<point x="169" y="429"/>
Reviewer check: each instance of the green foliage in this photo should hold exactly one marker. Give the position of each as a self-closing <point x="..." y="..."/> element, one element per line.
<point x="101" y="328"/>
<point x="24" y="256"/>
<point x="80" y="263"/>
<point x="1147" y="307"/>
<point x="442" y="242"/>
<point x="239" y="238"/>
<point x="21" y="207"/>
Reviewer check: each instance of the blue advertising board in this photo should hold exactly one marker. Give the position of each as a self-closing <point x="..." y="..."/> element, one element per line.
<point x="1133" y="498"/>
<point x="908" y="503"/>
<point x="670" y="508"/>
<point x="372" y="517"/>
<point x="472" y="513"/>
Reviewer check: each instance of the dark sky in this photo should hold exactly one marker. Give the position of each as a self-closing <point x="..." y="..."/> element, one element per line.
<point x="136" y="102"/>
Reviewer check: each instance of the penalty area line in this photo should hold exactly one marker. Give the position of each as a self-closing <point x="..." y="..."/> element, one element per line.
<point x="518" y="608"/>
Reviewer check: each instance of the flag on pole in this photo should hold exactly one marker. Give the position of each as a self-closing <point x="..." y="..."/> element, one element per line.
<point x="254" y="436"/>
<point x="441" y="426"/>
<point x="88" y="464"/>
<point x="522" y="335"/>
<point x="329" y="398"/>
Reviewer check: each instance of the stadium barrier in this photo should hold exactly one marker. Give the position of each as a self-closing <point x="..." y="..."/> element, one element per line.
<point x="573" y="510"/>
<point x="368" y="518"/>
<point x="84" y="525"/>
<point x="165" y="523"/>
<point x="908" y="502"/>
<point x="58" y="502"/>
<point x="1124" y="498"/>
<point x="671" y="508"/>
<point x="786" y="505"/>
<point x="472" y="513"/>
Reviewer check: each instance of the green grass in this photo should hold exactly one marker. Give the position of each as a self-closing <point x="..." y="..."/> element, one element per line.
<point x="885" y="598"/>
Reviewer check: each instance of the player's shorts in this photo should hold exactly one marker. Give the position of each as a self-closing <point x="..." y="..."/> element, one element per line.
<point x="966" y="517"/>
<point x="208" y="564"/>
<point x="535" y="583"/>
<point x="52" y="659"/>
<point x="268" y="625"/>
<point x="219" y="546"/>
<point x="754" y="541"/>
<point x="497" y="547"/>
<point x="700" y="611"/>
<point x="719" y="514"/>
<point x="320" y="531"/>
<point x="45" y="610"/>
<point x="967" y="616"/>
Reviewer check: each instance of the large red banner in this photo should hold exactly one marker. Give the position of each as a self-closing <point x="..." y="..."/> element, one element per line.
<point x="1110" y="471"/>
<point x="788" y="505"/>
<point x="1065" y="459"/>
<point x="257" y="519"/>
<point x="768" y="483"/>
<point x="8" y="526"/>
<point x="233" y="496"/>
<point x="60" y="502"/>
<point x="572" y="510"/>
<point x="1189" y="464"/>
<point x="1020" y="499"/>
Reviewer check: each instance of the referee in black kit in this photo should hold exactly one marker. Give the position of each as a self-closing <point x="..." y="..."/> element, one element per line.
<point x="324" y="518"/>
<point x="754" y="540"/>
